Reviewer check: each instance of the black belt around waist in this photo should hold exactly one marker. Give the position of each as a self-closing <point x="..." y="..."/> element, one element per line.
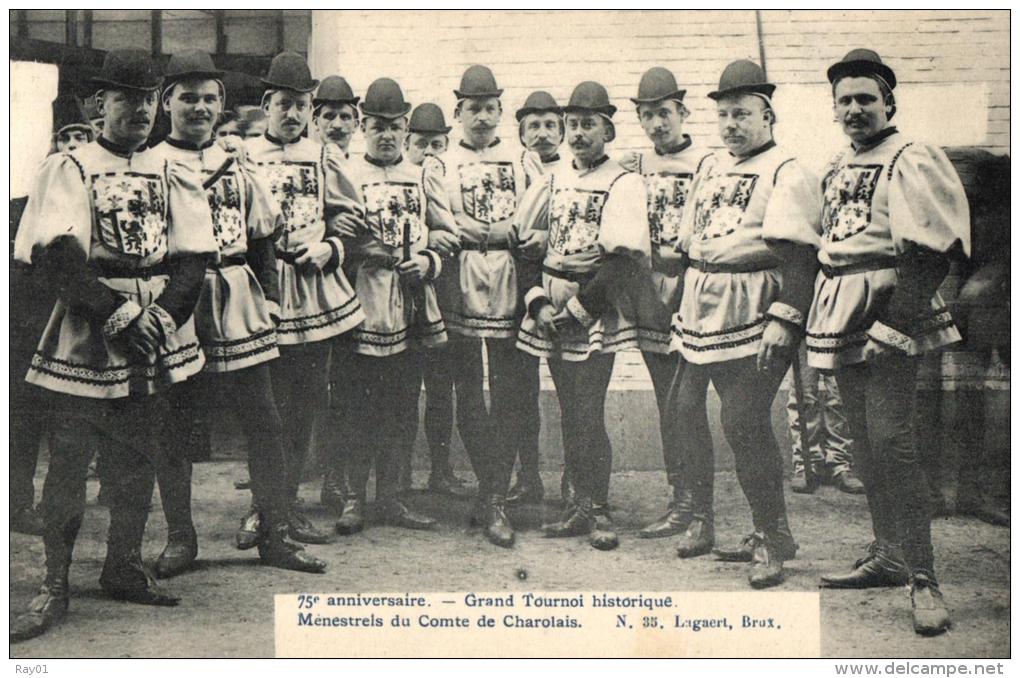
<point x="571" y="276"/>
<point x="110" y="270"/>
<point x="876" y="264"/>
<point x="484" y="247"/>
<point x="707" y="267"/>
<point x="233" y="260"/>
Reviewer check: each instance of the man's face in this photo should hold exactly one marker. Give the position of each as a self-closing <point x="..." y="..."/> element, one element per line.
<point x="256" y="128"/>
<point x="860" y="108"/>
<point x="128" y="115"/>
<point x="663" y="122"/>
<point x="288" y="113"/>
<point x="541" y="133"/>
<point x="228" y="129"/>
<point x="383" y="138"/>
<point x="586" y="136"/>
<point x="744" y="123"/>
<point x="193" y="107"/>
<point x="480" y="116"/>
<point x="70" y="139"/>
<point x="421" y="146"/>
<point x="337" y="123"/>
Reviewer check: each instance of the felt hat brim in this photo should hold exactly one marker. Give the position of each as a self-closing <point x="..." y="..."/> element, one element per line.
<point x="843" y="69"/>
<point x="678" y="94"/>
<point x="387" y="115"/>
<point x="763" y="88"/>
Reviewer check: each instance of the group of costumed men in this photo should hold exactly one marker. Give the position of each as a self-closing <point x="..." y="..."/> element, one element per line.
<point x="281" y="270"/>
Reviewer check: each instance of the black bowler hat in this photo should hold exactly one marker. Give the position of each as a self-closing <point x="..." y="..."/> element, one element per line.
<point x="743" y="77"/>
<point x="861" y="62"/>
<point x="334" y="90"/>
<point x="590" y="96"/>
<point x="477" y="81"/>
<point x="657" y="84"/>
<point x="428" y="119"/>
<point x="68" y="113"/>
<point x="384" y="99"/>
<point x="128" y="69"/>
<point x="538" y="102"/>
<point x="289" y="70"/>
<point x="191" y="64"/>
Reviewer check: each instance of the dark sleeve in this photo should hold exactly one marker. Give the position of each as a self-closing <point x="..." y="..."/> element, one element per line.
<point x="261" y="257"/>
<point x="529" y="276"/>
<point x="799" y="267"/>
<point x="616" y="272"/>
<point x="920" y="272"/>
<point x="64" y="266"/>
<point x="181" y="293"/>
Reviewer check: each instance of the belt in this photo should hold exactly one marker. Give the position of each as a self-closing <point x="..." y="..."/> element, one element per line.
<point x="232" y="260"/>
<point x="484" y="247"/>
<point x="706" y="267"/>
<point x="110" y="270"/>
<point x="876" y="264"/>
<point x="575" y="277"/>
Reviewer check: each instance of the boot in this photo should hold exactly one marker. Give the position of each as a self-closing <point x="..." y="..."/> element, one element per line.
<point x="744" y="551"/>
<point x="526" y="491"/>
<point x="930" y="614"/>
<point x="276" y="551"/>
<point x="675" y="521"/>
<point x="247" y="536"/>
<point x="123" y="576"/>
<point x="46" y="610"/>
<point x="178" y="555"/>
<point x="770" y="551"/>
<point x="603" y="534"/>
<point x="395" y="513"/>
<point x="301" y="528"/>
<point x="577" y="523"/>
<point x="352" y="519"/>
<point x="332" y="495"/>
<point x="881" y="567"/>
<point x="698" y="539"/>
<point x="498" y="529"/>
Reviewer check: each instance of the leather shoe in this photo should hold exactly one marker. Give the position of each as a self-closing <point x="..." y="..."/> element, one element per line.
<point x="526" y="492"/>
<point x="498" y="529"/>
<point x="27" y="521"/>
<point x="247" y="535"/>
<point x="698" y="539"/>
<point x="846" y="481"/>
<point x="441" y="484"/>
<point x="276" y="551"/>
<point x="930" y="614"/>
<point x="395" y="513"/>
<point x="770" y="551"/>
<point x="47" y="609"/>
<point x="132" y="583"/>
<point x="800" y="484"/>
<point x="875" y="570"/>
<point x="179" y="554"/>
<point x="603" y="534"/>
<point x="301" y="529"/>
<point x="742" y="553"/>
<point x="574" y="523"/>
<point x="674" y="522"/>
<point x="331" y="495"/>
<point x="352" y="520"/>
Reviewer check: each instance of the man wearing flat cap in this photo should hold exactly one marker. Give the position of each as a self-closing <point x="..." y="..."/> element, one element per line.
<point x="393" y="269"/>
<point x="893" y="211"/>
<point x="234" y="319"/>
<point x="125" y="238"/>
<point x="317" y="303"/>
<point x="335" y="112"/>
<point x="668" y="172"/>
<point x="478" y="293"/>
<point x="590" y="216"/>
<point x="748" y="232"/>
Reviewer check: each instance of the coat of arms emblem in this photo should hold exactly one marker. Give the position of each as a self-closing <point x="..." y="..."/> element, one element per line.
<point x="488" y="191"/>
<point x="848" y="193"/>
<point x="225" y="205"/>
<point x="389" y="207"/>
<point x="575" y="216"/>
<point x="667" y="194"/>
<point x="296" y="186"/>
<point x="720" y="209"/>
<point x="130" y="210"/>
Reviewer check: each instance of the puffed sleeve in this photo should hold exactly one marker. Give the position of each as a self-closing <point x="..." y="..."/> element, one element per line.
<point x="439" y="211"/>
<point x="264" y="224"/>
<point x="532" y="217"/>
<point x="929" y="216"/>
<point x="791" y="228"/>
<point x="58" y="206"/>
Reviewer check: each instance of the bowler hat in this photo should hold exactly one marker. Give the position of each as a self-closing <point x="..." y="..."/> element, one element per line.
<point x="538" y="102"/>
<point x="128" y="69"/>
<point x="861" y="62"/>
<point x="384" y="99"/>
<point x="191" y="64"/>
<point x="68" y="113"/>
<point x="289" y="70"/>
<point x="742" y="77"/>
<point x="477" y="81"/>
<point x="657" y="84"/>
<point x="334" y="90"/>
<point x="428" y="119"/>
<point x="590" y="96"/>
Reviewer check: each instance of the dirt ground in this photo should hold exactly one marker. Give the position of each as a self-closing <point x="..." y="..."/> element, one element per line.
<point x="227" y="604"/>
